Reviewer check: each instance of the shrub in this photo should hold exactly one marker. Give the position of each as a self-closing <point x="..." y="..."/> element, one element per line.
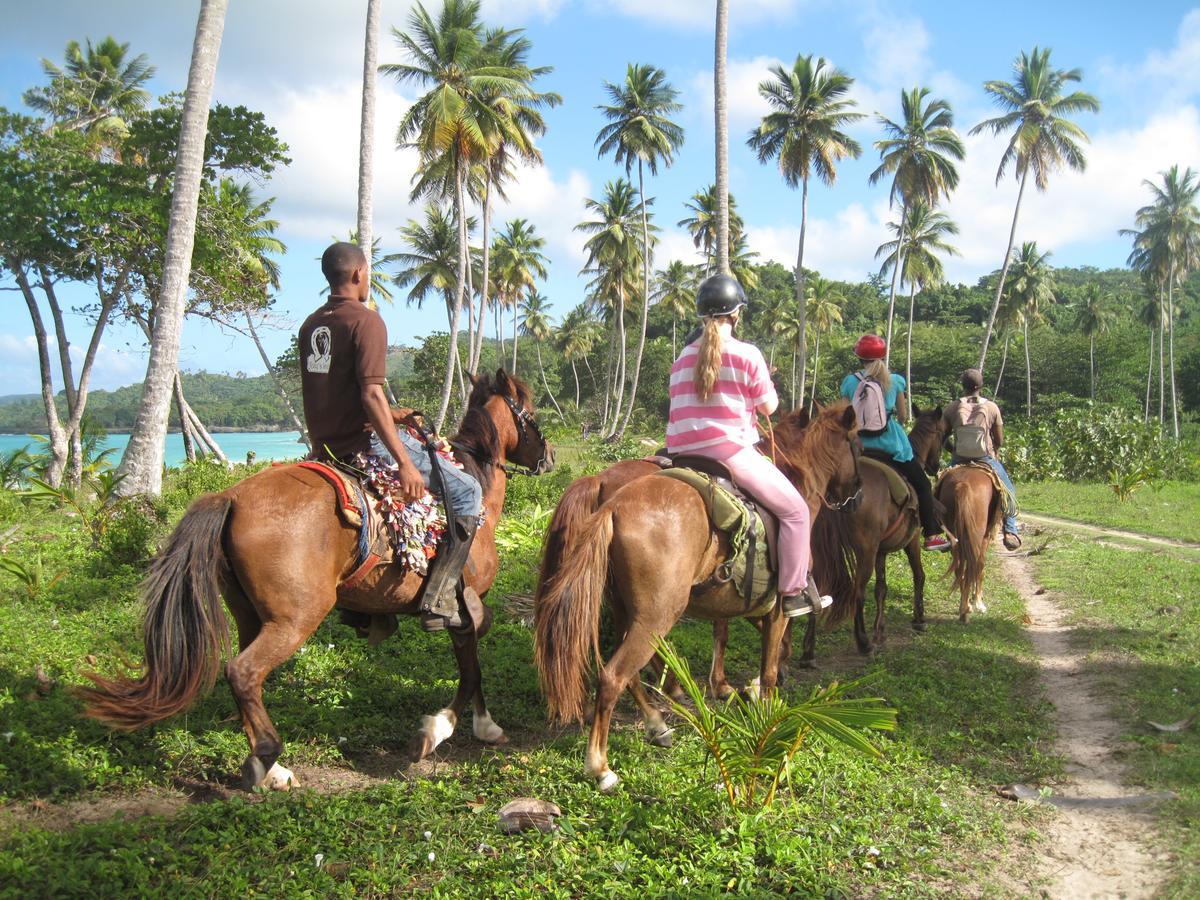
<point x="527" y="492"/>
<point x="132" y="532"/>
<point x="203" y="476"/>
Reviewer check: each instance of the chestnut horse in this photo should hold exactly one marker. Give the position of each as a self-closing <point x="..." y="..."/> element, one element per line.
<point x="653" y="546"/>
<point x="974" y="510"/>
<point x="878" y="527"/>
<point x="276" y="548"/>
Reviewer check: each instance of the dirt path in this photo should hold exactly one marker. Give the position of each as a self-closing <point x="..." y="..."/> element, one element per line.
<point x="1075" y="525"/>
<point x="1092" y="852"/>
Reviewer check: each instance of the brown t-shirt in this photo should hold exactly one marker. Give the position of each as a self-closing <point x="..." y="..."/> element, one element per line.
<point x="343" y="347"/>
<point x="993" y="422"/>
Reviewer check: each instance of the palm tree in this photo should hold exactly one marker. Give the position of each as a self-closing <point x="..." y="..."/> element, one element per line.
<point x="98" y="91"/>
<point x="742" y="265"/>
<point x="1043" y="138"/>
<point x="453" y="119"/>
<point x="785" y="325"/>
<point x="537" y="324"/>
<point x="639" y="130"/>
<point x="824" y="311"/>
<point x="1150" y="315"/>
<point x="810" y="105"/>
<point x="1031" y="289"/>
<point x="576" y="337"/>
<point x="1170" y="230"/>
<point x="675" y="291"/>
<point x="1093" y="316"/>
<point x="519" y="262"/>
<point x="702" y="224"/>
<point x="142" y="464"/>
<point x="366" y="134"/>
<point x="615" y="252"/>
<point x="1149" y="259"/>
<point x="919" y="238"/>
<point x="917" y="153"/>
<point x="721" y="129"/>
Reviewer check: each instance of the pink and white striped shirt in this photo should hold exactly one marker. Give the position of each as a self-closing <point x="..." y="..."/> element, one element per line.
<point x="724" y="423"/>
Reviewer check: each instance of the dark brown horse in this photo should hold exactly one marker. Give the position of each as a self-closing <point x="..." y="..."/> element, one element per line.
<point x="652" y="545"/>
<point x="276" y="548"/>
<point x="974" y="510"/>
<point x="877" y="527"/>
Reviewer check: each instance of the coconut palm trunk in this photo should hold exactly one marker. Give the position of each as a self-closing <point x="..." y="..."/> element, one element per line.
<point x="516" y="303"/>
<point x="1092" y="366"/>
<point x="366" y="133"/>
<point x="279" y="388"/>
<point x="54" y="430"/>
<point x="812" y="397"/>
<point x="1028" y="374"/>
<point x="619" y="373"/>
<point x="1149" y="374"/>
<point x="575" y="375"/>
<point x="637" y="361"/>
<point x="1171" y="347"/>
<point x="460" y="213"/>
<point x="721" y="115"/>
<point x="896" y="266"/>
<point x="542" y="371"/>
<point x="1003" y="362"/>
<point x="912" y="303"/>
<point x="801" y="300"/>
<point x="1162" y="378"/>
<point x="185" y="427"/>
<point x="1012" y="235"/>
<point x="142" y="462"/>
<point x="477" y="350"/>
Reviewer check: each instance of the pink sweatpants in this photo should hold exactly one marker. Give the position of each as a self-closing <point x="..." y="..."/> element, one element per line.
<point x="759" y="476"/>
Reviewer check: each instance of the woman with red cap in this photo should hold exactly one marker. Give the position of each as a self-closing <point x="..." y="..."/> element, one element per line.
<point x="878" y="398"/>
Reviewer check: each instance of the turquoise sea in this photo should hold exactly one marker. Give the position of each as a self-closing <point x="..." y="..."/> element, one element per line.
<point x="265" y="444"/>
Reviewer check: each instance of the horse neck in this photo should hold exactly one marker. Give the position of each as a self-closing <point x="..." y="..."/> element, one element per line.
<point x="817" y="472"/>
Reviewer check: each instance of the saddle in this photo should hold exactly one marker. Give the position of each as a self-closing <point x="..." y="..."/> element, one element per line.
<point x="354" y="508"/>
<point x="747" y="524"/>
<point x="1008" y="500"/>
<point x="898" y="486"/>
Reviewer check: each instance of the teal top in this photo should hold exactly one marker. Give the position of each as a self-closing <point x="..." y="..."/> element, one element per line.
<point x="894" y="440"/>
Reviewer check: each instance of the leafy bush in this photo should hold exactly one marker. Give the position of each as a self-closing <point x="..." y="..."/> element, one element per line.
<point x="526" y="492"/>
<point x="1090" y="442"/>
<point x="203" y="476"/>
<point x="132" y="530"/>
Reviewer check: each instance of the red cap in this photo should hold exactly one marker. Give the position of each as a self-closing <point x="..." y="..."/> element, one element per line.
<point x="870" y="346"/>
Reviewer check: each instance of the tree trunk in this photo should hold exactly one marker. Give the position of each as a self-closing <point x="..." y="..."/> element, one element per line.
<point x="366" y="134"/>
<point x="54" y="430"/>
<point x="912" y="303"/>
<point x="801" y="299"/>
<point x="897" y="263"/>
<point x="610" y="369"/>
<point x="637" y="360"/>
<point x="279" y="388"/>
<point x="185" y="427"/>
<point x="816" y="370"/>
<point x="1003" y="362"/>
<point x="575" y="374"/>
<point x="794" y="401"/>
<point x="1028" y="374"/>
<point x="1162" y="379"/>
<point x="202" y="434"/>
<point x="60" y="335"/>
<point x="143" y="460"/>
<point x="675" y="353"/>
<point x="591" y="372"/>
<point x="1092" y="366"/>
<point x="619" y="375"/>
<point x="460" y="211"/>
<point x="499" y="332"/>
<point x="721" y="114"/>
<point x="537" y="345"/>
<point x="1149" y="374"/>
<point x="477" y="351"/>
<point x="1171" y="348"/>
<point x="1012" y="233"/>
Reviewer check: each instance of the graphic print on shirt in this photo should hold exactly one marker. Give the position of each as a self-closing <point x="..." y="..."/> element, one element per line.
<point x="322" y="346"/>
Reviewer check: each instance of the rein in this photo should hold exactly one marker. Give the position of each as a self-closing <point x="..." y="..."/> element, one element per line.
<point x="525" y="423"/>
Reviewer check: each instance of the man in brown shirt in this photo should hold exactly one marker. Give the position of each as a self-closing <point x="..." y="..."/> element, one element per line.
<point x="975" y="425"/>
<point x="343" y="367"/>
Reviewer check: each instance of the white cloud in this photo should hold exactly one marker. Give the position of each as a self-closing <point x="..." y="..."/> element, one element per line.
<point x="553" y="206"/>
<point x="746" y="104"/>
<point x="697" y="14"/>
<point x="1164" y="79"/>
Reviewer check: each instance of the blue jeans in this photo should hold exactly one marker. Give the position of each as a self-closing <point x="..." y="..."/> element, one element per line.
<point x="465" y="494"/>
<point x="1010" y="511"/>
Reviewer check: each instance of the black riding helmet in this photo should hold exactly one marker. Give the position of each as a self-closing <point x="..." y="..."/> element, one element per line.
<point x="719" y="295"/>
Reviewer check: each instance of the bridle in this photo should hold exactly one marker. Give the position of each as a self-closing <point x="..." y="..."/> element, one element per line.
<point x="525" y="423"/>
<point x="849" y="503"/>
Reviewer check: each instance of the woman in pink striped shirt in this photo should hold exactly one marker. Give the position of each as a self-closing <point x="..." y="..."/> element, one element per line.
<point x="718" y="385"/>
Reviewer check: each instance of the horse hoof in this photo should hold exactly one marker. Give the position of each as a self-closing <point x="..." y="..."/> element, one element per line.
<point x="253" y="773"/>
<point x="279" y="779"/>
<point x="865" y="650"/>
<point x="980" y="608"/>
<point x="607" y="781"/>
<point x="488" y="731"/>
<point x="664" y="738"/>
<point x="434" y="730"/>
<point x="918" y="626"/>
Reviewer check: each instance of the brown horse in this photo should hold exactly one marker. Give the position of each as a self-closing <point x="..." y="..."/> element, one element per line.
<point x="276" y="548"/>
<point x="877" y="527"/>
<point x="974" y="510"/>
<point x="653" y="546"/>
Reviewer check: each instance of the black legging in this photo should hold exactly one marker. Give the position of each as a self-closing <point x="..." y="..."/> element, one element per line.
<point x="916" y="476"/>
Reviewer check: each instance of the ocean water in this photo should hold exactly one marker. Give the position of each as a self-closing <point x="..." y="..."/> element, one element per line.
<point x="265" y="444"/>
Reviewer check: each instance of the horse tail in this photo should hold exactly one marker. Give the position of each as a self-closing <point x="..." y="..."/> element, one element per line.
<point x="969" y="526"/>
<point x="185" y="629"/>
<point x="833" y="563"/>
<point x="567" y="618"/>
<point x="578" y="503"/>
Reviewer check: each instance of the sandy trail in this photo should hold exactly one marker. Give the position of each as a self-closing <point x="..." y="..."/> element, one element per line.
<point x="1091" y="853"/>
<point x="1084" y="527"/>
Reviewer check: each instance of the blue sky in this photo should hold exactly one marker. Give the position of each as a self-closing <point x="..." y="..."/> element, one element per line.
<point x="299" y="61"/>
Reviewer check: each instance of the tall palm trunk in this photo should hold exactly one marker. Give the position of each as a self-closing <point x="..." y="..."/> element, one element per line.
<point x="795" y="401"/>
<point x="912" y="302"/>
<point x="279" y="388"/>
<point x="500" y="352"/>
<point x="816" y="368"/>
<point x="721" y="115"/>
<point x="619" y="375"/>
<point x="1149" y="374"/>
<point x="637" y="362"/>
<point x="1162" y="379"/>
<point x="477" y="350"/>
<point x="366" y="134"/>
<point x="142" y="462"/>
<point x="185" y="426"/>
<point x="460" y="285"/>
<point x="1171" y="347"/>
<point x="537" y="345"/>
<point x="516" y="303"/>
<point x="1092" y="366"/>
<point x="1028" y="374"/>
<point x="897" y="264"/>
<point x="54" y="429"/>
<point x="1003" y="362"/>
<point x="575" y="375"/>
<point x="801" y="300"/>
<point x="1012" y="234"/>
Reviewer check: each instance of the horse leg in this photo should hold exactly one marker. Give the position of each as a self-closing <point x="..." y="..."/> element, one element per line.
<point x="773" y="625"/>
<point x="438" y="727"/>
<point x="880" y="593"/>
<point x="632" y="654"/>
<point x="785" y="650"/>
<point x="717" y="682"/>
<point x="913" y="551"/>
<point x="658" y="732"/>
<point x="862" y="573"/>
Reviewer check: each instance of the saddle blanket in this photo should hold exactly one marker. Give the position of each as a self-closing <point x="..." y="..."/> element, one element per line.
<point x="898" y="487"/>
<point x="1007" y="498"/>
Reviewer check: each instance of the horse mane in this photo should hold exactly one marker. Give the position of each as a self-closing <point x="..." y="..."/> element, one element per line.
<point x="477" y="443"/>
<point x="802" y="448"/>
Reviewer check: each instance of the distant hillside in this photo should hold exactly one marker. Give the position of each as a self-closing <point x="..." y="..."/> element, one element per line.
<point x="17" y="398"/>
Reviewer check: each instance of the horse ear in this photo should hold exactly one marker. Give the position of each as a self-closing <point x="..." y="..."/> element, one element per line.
<point x="848" y="418"/>
<point x="937" y="411"/>
<point x="916" y="410"/>
<point x="474" y="379"/>
<point x="801" y="417"/>
<point x="501" y="381"/>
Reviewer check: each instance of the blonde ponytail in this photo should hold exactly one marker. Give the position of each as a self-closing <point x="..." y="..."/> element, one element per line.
<point x="708" y="360"/>
<point x="877" y="371"/>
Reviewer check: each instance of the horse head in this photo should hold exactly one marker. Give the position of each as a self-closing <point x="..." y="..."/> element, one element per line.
<point x="821" y="453"/>
<point x="529" y="448"/>
<point x="927" y="436"/>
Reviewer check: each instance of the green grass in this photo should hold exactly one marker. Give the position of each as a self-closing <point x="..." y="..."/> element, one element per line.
<point x="1138" y="616"/>
<point x="1166" y="511"/>
<point x="922" y="821"/>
